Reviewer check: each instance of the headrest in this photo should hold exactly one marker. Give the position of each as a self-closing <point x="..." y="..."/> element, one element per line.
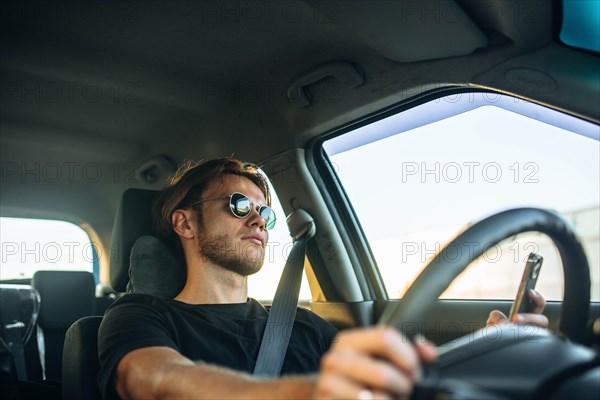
<point x="65" y="297"/>
<point x="133" y="220"/>
<point x="154" y="270"/>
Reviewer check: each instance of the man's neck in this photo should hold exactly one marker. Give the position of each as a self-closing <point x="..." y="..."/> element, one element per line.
<point x="212" y="284"/>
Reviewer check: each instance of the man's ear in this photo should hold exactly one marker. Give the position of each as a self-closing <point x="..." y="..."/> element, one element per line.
<point x="181" y="223"/>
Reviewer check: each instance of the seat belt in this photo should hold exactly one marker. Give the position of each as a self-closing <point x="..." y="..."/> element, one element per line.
<point x="280" y="322"/>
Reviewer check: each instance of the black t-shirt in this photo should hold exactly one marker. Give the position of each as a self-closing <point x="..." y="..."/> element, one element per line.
<point x="228" y="335"/>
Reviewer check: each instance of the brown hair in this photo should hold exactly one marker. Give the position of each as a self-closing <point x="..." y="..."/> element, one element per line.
<point x="187" y="186"/>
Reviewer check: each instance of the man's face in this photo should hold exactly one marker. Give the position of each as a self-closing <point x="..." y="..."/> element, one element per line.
<point x="237" y="244"/>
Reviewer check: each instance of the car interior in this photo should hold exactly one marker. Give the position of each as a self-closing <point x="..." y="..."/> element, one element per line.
<point x="423" y="149"/>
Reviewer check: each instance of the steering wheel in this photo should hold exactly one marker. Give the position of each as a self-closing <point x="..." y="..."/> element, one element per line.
<point x="479" y="366"/>
<point x="442" y="269"/>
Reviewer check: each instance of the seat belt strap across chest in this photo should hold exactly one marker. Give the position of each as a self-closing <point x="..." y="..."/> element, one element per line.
<point x="280" y="322"/>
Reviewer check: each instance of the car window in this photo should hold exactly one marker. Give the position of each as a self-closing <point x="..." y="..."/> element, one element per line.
<point x="30" y="245"/>
<point x="417" y="177"/>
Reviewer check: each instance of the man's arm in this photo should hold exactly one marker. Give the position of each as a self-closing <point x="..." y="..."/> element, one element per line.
<point x="161" y="372"/>
<point x="376" y="361"/>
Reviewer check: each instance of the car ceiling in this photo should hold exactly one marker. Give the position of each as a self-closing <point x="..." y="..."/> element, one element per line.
<point x="117" y="83"/>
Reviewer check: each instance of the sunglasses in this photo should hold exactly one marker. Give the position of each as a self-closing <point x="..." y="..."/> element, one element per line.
<point x="241" y="206"/>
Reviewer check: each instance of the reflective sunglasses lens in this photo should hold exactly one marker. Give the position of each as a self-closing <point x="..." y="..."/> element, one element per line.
<point x="268" y="215"/>
<point x="240" y="205"/>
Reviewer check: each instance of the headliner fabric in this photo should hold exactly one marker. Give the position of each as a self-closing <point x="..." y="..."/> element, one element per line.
<point x="154" y="270"/>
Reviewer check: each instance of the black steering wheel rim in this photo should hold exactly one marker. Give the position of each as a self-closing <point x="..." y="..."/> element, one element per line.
<point x="442" y="269"/>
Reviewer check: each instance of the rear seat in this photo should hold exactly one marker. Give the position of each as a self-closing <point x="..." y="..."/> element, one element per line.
<point x="65" y="296"/>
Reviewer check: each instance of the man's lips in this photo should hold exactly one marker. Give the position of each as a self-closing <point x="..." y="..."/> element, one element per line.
<point x="258" y="239"/>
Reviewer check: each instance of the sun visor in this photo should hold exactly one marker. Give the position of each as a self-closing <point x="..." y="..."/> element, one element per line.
<point x="409" y="31"/>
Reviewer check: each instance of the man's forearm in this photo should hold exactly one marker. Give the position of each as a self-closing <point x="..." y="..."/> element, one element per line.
<point x="202" y="381"/>
<point x="211" y="382"/>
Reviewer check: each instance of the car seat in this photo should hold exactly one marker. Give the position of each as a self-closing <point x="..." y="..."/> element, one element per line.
<point x="136" y="259"/>
<point x="65" y="296"/>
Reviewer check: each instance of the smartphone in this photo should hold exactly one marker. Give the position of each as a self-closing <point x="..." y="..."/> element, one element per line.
<point x="530" y="275"/>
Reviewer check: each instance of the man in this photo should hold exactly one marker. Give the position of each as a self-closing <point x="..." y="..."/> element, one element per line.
<point x="204" y="342"/>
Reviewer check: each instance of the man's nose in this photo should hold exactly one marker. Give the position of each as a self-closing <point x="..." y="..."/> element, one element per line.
<point x="255" y="219"/>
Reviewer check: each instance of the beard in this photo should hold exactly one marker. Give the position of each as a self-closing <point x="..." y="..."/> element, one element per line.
<point x="242" y="258"/>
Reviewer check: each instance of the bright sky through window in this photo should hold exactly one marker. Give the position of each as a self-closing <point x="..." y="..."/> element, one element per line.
<point x="29" y="245"/>
<point x="417" y="185"/>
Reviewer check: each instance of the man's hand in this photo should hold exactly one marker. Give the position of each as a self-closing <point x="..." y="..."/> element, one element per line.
<point x="374" y="363"/>
<point x="535" y="317"/>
